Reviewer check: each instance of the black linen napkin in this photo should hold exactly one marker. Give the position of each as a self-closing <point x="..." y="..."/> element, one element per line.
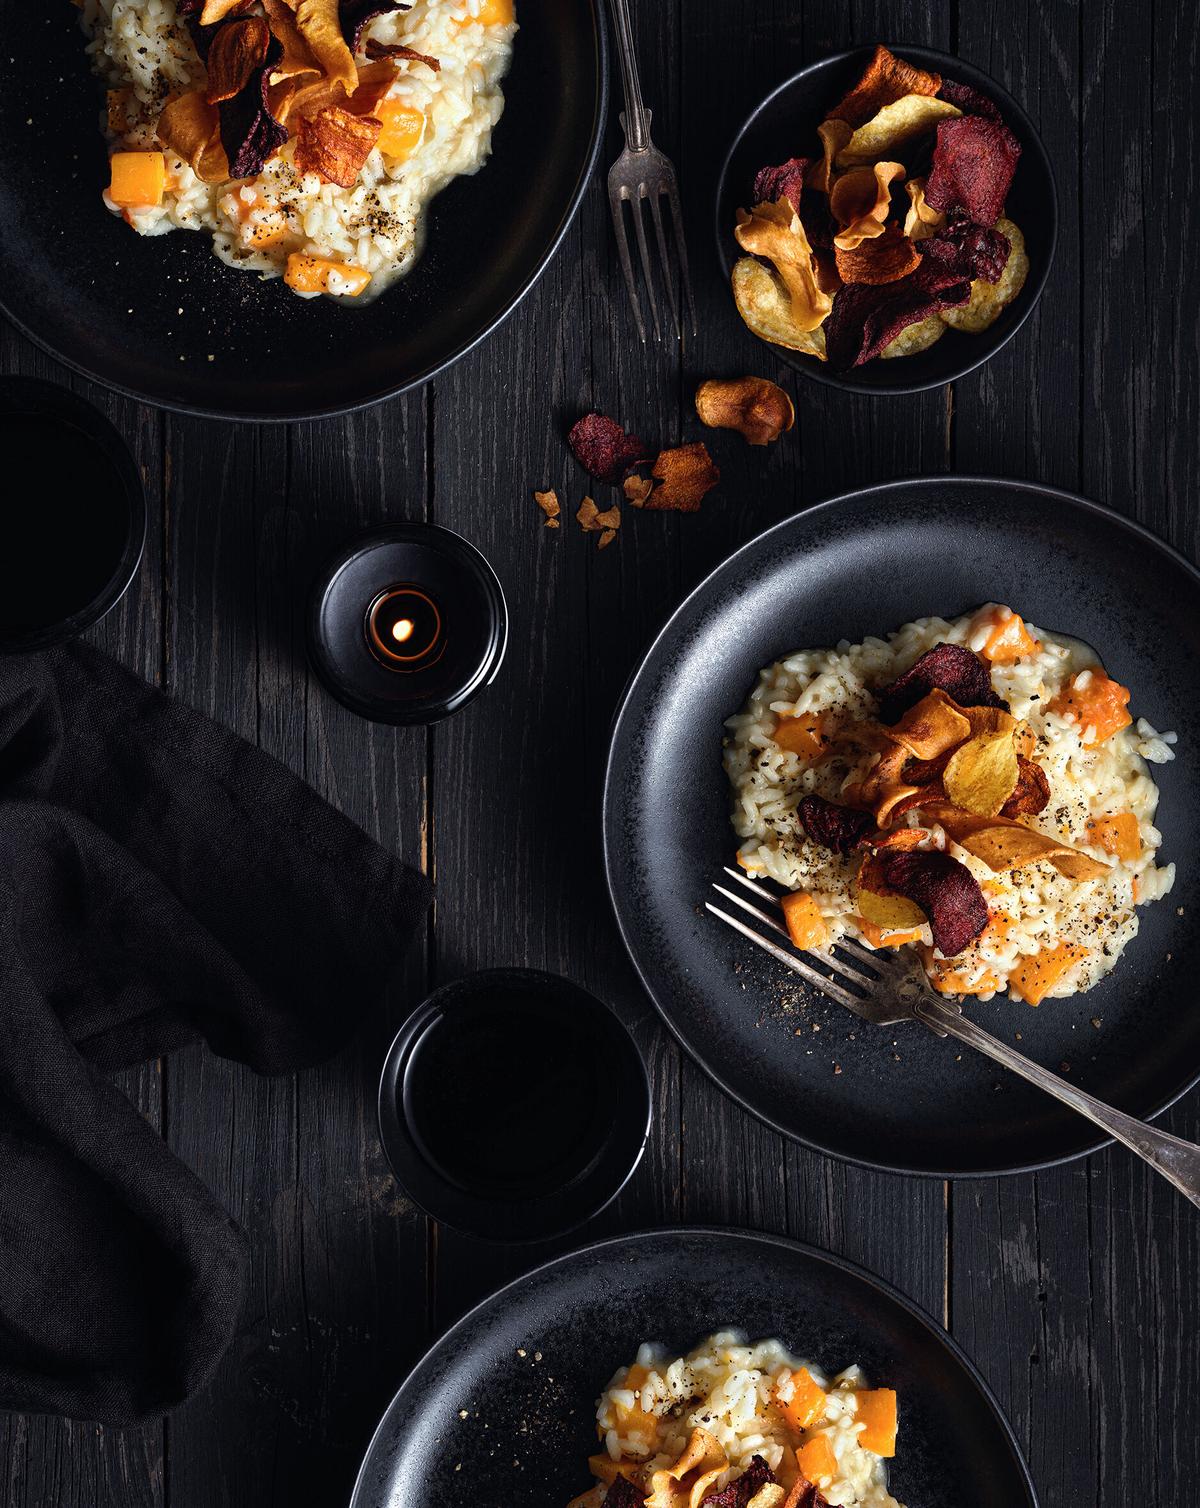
<point x="161" y="882"/>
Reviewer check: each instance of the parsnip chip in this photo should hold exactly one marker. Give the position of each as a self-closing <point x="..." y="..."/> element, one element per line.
<point x="694" y="1474"/>
<point x="1004" y="844"/>
<point x="931" y="727"/>
<point x="860" y="200"/>
<point x="548" y="503"/>
<point x="335" y="144"/>
<point x="894" y="125"/>
<point x="297" y="59"/>
<point x="319" y="23"/>
<point x="765" y="308"/>
<point x="684" y="475"/>
<point x="982" y="774"/>
<point x="882" y="259"/>
<point x="757" y="408"/>
<point x="304" y="96"/>
<point x="217" y="10"/>
<point x="989" y="300"/>
<point x="922" y="220"/>
<point x="774" y="231"/>
<point x="190" y="127"/>
<point x="834" y="135"/>
<point x="237" y="51"/>
<point x="914" y="338"/>
<point x="885" y="78"/>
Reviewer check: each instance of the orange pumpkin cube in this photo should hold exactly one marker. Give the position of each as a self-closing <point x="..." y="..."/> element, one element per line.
<point x="805" y="924"/>
<point x="1009" y="640"/>
<point x="138" y="179"/>
<point x="801" y="735"/>
<point x="1095" y="702"/>
<point x="1118" y="834"/>
<point x="403" y="128"/>
<point x="309" y="274"/>
<point x="1037" y="975"/>
<point x="817" y="1460"/>
<point x="880" y="937"/>
<point x="494" y="13"/>
<point x="877" y="1410"/>
<point x="805" y="1403"/>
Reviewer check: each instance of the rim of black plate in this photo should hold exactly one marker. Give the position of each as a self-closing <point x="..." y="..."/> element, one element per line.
<point x="936" y="1330"/>
<point x="1051" y="494"/>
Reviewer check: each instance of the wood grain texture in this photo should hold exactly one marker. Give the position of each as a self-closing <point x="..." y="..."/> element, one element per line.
<point x="1075" y="1290"/>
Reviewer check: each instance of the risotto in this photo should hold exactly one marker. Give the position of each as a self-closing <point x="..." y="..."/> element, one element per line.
<point x="740" y="1424"/>
<point x="972" y="788"/>
<point x="306" y="137"/>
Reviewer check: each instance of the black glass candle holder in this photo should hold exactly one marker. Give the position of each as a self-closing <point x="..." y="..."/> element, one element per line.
<point x="407" y="623"/>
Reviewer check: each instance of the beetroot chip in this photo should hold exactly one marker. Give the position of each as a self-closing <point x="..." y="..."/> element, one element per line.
<point x="968" y="100"/>
<point x="783" y="182"/>
<point x="623" y="1494"/>
<point x="946" y="891"/>
<point x="356" y="15"/>
<point x="249" y="132"/>
<point x="739" y="1492"/>
<point x="868" y="316"/>
<point x="951" y="668"/>
<point x="832" y="826"/>
<point x="968" y="250"/>
<point x="973" y="166"/>
<point x="603" y="448"/>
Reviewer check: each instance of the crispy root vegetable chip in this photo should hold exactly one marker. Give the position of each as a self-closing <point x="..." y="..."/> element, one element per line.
<point x="766" y="309"/>
<point x="888" y="912"/>
<point x="623" y="1494"/>
<point x="297" y="59"/>
<point x="932" y="726"/>
<point x="945" y="890"/>
<point x="216" y="10"/>
<point x="775" y="231"/>
<point x="335" y="144"/>
<point x="921" y="221"/>
<point x="301" y="96"/>
<point x="357" y="15"/>
<point x="686" y="1482"/>
<point x="320" y="24"/>
<point x="1004" y="844"/>
<point x="603" y="448"/>
<point x="548" y="503"/>
<point x="914" y="338"/>
<point x="684" y="475"/>
<point x="742" y="1490"/>
<point x="191" y="128"/>
<point x="885" y="78"/>
<point x="973" y="166"/>
<point x="593" y="521"/>
<point x="867" y="317"/>
<point x="758" y="409"/>
<point x="895" y="125"/>
<point x="834" y="135"/>
<point x="884" y="259"/>
<point x="989" y="300"/>
<point x="840" y="828"/>
<point x="1032" y="792"/>
<point x="982" y="773"/>
<point x="968" y="100"/>
<point x="377" y="50"/>
<point x="637" y="489"/>
<point x="249" y="131"/>
<point x="969" y="250"/>
<point x="783" y="182"/>
<point x="952" y="668"/>
<point x="859" y="202"/>
<point x="237" y="50"/>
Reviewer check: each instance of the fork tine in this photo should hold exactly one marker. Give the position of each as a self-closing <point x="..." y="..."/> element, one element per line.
<point x="681" y="244"/>
<point x="755" y="889"/>
<point x="789" y="960"/>
<point x="618" y="216"/>
<point x="639" y="226"/>
<point x="666" y="262"/>
<point x="747" y="906"/>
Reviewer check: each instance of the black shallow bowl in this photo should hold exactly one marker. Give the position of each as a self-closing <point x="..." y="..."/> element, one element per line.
<point x="785" y="125"/>
<point x="79" y="282"/>
<point x="528" y="1363"/>
<point x="864" y="564"/>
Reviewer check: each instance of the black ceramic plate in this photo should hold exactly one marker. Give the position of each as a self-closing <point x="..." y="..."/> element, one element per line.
<point x="785" y="125"/>
<point x="527" y="1365"/>
<point x="107" y="302"/>
<point x="864" y="564"/>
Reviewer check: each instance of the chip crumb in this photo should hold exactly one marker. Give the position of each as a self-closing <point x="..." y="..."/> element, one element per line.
<point x="637" y="489"/>
<point x="1065" y="1067"/>
<point x="521" y="1351"/>
<point x="1096" y="1022"/>
<point x="548" y="503"/>
<point x="837" y="1068"/>
<point x="606" y="538"/>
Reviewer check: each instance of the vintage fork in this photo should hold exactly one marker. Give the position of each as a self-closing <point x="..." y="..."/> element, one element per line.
<point x="886" y="986"/>
<point x="643" y="173"/>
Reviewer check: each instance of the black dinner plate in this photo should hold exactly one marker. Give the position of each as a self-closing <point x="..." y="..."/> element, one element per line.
<point x="163" y="319"/>
<point x="785" y="125"/>
<point x="863" y="564"/>
<point x="502" y="1409"/>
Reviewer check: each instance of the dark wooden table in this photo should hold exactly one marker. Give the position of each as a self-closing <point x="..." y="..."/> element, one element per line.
<point x="1077" y="1290"/>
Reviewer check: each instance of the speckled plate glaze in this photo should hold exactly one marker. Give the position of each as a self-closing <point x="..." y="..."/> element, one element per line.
<point x="861" y="564"/>
<point x="526" y="1366"/>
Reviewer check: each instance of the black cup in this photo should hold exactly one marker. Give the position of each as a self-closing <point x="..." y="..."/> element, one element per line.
<point x="76" y="527"/>
<point x="513" y="1105"/>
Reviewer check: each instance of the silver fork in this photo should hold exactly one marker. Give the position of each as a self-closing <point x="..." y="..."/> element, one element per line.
<point x="885" y="986"/>
<point x="643" y="173"/>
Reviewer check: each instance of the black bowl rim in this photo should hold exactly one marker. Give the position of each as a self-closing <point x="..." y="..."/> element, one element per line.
<point x="435" y="369"/>
<point x="438" y="1198"/>
<point x="814" y="370"/>
<point x="1058" y="495"/>
<point x="53" y="398"/>
<point x="801" y="1249"/>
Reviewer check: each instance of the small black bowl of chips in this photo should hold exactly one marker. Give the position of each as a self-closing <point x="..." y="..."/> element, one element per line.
<point x="887" y="219"/>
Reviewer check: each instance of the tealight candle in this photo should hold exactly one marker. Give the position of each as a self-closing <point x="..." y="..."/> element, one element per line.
<point x="407" y="623"/>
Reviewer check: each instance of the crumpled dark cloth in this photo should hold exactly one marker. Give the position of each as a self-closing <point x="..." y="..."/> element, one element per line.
<point x="161" y="882"/>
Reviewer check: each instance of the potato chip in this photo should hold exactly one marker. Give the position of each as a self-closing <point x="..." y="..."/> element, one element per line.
<point x="834" y="135"/>
<point x="894" y="125"/>
<point x="766" y="309"/>
<point x="860" y="200"/>
<point x="915" y="338"/>
<point x="874" y="901"/>
<point x="922" y="220"/>
<point x="775" y="232"/>
<point x="982" y="774"/>
<point x="190" y="127"/>
<point x="932" y="726"/>
<point x="989" y="300"/>
<point x="757" y="408"/>
<point x="885" y="78"/>
<point x="882" y="259"/>
<point x="319" y="23"/>
<point x="335" y="143"/>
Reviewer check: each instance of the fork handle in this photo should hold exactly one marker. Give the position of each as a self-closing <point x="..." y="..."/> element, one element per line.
<point x="1177" y="1160"/>
<point x="636" y="119"/>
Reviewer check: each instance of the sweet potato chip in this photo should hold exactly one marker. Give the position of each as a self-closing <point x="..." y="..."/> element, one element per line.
<point x="335" y="143"/>
<point x="954" y="669"/>
<point x="944" y="890"/>
<point x="297" y="60"/>
<point x="932" y="726"/>
<point x="1032" y="792"/>
<point x="883" y="259"/>
<point x="982" y="773"/>
<point x="867" y="317"/>
<point x="894" y="126"/>
<point x="549" y="504"/>
<point x="320" y="24"/>
<point x="860" y="201"/>
<point x="758" y="409"/>
<point x="1004" y="844"/>
<point x="922" y="220"/>
<point x="833" y="826"/>
<point x="775" y="231"/>
<point x="637" y="489"/>
<point x="915" y="338"/>
<point x="989" y="300"/>
<point x="834" y="135"/>
<point x="603" y="448"/>
<point x="684" y="475"/>
<point x="377" y="50"/>
<point x="237" y="51"/>
<point x="973" y="166"/>
<point x="885" y="78"/>
<point x="302" y="96"/>
<point x="766" y="308"/>
<point x="191" y="128"/>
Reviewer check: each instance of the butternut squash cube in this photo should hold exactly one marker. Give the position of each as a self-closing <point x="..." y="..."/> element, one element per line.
<point x="817" y="1460"/>
<point x="403" y="128"/>
<point x="805" y="924"/>
<point x="138" y="179"/>
<point x="877" y="1410"/>
<point x="309" y="274"/>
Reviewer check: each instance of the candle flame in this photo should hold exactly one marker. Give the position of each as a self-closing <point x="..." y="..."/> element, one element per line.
<point x="403" y="630"/>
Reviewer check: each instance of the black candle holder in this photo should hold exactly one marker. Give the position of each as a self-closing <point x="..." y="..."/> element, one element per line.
<point x="407" y="623"/>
